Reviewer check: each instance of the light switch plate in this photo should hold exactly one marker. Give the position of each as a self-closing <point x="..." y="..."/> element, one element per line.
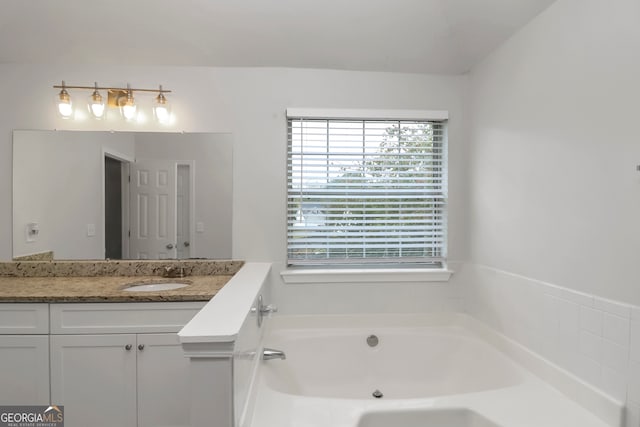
<point x="32" y="230"/>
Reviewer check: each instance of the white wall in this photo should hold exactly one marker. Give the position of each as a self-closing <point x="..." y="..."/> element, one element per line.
<point x="250" y="103"/>
<point x="555" y="194"/>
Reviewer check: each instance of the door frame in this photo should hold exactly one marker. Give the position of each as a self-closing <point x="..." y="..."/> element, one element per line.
<point x="126" y="160"/>
<point x="192" y="203"/>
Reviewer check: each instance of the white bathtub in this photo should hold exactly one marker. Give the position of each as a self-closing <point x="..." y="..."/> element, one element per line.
<point x="407" y="363"/>
<point x="431" y="370"/>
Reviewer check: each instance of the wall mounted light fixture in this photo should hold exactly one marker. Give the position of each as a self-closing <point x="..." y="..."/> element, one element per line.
<point x="128" y="105"/>
<point x="117" y="97"/>
<point x="162" y="108"/>
<point x="65" y="107"/>
<point x="96" y="104"/>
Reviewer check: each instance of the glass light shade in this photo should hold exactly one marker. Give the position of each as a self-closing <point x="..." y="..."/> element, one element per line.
<point x="129" y="111"/>
<point x="65" y="106"/>
<point x="96" y="105"/>
<point x="162" y="109"/>
<point x="129" y="107"/>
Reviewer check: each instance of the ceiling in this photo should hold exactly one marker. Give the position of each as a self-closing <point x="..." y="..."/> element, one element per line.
<point x="417" y="36"/>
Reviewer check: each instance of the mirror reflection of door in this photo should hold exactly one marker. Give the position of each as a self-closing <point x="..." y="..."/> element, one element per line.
<point x="158" y="193"/>
<point x="153" y="209"/>
<point x="116" y="206"/>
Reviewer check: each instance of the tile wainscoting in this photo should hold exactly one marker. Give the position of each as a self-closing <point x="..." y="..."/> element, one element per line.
<point x="595" y="339"/>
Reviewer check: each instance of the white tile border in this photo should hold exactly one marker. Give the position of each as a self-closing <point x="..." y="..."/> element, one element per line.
<point x="600" y="404"/>
<point x="612" y="307"/>
<point x="602" y="351"/>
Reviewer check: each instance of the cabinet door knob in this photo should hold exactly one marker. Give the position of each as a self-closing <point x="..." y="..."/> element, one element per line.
<point x="128" y="347"/>
<point x="141" y="347"/>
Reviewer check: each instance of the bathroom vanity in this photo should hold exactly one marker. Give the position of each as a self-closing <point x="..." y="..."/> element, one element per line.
<point x="110" y="356"/>
<point x="91" y="357"/>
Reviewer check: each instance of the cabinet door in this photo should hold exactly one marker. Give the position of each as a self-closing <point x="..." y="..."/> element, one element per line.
<point x="163" y="381"/>
<point x="94" y="377"/>
<point x="24" y="369"/>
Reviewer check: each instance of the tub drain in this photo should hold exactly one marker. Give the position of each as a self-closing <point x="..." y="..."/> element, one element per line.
<point x="372" y="340"/>
<point x="377" y="394"/>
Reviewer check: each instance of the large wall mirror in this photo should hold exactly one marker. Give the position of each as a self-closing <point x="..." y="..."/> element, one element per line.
<point x="122" y="195"/>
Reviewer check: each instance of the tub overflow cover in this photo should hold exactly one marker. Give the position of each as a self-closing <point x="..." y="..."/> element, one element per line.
<point x="377" y="394"/>
<point x="372" y="340"/>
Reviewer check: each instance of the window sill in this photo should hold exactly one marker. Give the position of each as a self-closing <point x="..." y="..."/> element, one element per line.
<point x="365" y="275"/>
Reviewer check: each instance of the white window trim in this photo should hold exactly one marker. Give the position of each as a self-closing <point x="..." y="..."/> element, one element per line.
<point x="363" y="114"/>
<point x="302" y="275"/>
<point x="365" y="275"/>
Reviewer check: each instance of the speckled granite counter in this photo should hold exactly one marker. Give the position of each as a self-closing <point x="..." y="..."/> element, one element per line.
<point x="96" y="268"/>
<point x="104" y="281"/>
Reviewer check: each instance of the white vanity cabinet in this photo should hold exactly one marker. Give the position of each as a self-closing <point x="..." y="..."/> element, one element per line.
<point x="120" y="364"/>
<point x="24" y="354"/>
<point x="163" y="381"/>
<point x="93" y="376"/>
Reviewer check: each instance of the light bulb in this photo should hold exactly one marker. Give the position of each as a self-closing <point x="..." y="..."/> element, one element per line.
<point x="162" y="114"/>
<point x="162" y="108"/>
<point x="129" y="107"/>
<point x="129" y="111"/>
<point x="96" y="104"/>
<point x="65" y="107"/>
<point x="97" y="110"/>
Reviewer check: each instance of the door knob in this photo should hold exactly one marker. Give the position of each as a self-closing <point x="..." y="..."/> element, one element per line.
<point x="170" y="246"/>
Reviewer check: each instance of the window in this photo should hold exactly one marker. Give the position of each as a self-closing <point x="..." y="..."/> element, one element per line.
<point x="366" y="191"/>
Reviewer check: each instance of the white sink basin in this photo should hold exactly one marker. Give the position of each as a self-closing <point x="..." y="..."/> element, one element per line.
<point x="155" y="287"/>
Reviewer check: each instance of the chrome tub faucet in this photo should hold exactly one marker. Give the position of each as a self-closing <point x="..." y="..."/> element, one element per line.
<point x="270" y="354"/>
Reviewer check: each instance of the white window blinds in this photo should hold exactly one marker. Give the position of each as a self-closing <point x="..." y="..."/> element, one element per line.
<point x="366" y="191"/>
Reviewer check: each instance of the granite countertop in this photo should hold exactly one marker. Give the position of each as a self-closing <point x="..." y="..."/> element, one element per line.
<point x="104" y="281"/>
<point x="106" y="289"/>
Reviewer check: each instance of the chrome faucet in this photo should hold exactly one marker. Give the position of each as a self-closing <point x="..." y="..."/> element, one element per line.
<point x="261" y="310"/>
<point x="270" y="354"/>
<point x="173" y="272"/>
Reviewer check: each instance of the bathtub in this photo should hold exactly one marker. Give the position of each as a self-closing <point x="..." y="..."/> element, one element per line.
<point x="406" y="363"/>
<point x="404" y="371"/>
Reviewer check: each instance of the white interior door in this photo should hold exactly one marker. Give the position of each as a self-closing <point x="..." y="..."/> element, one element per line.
<point x="153" y="209"/>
